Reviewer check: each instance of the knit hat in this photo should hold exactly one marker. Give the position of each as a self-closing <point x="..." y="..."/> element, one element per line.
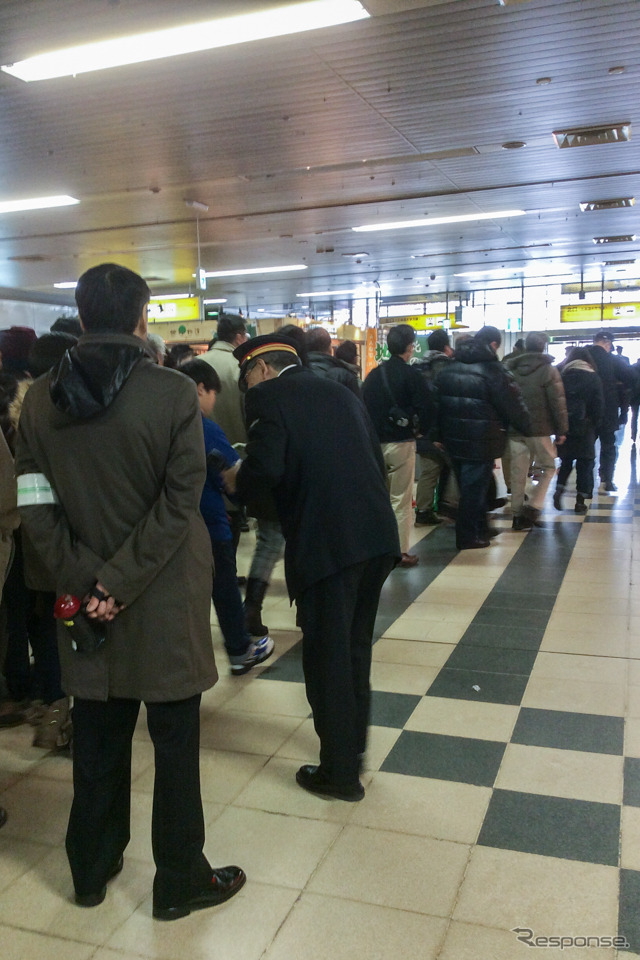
<point x="15" y="344"/>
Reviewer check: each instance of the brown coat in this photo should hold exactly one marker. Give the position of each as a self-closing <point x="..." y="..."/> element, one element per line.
<point x="129" y="481"/>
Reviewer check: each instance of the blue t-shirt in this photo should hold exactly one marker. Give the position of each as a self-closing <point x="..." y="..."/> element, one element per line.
<point x="212" y="505"/>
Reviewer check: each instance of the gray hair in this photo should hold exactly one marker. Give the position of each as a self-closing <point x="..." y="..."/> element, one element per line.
<point x="536" y="342"/>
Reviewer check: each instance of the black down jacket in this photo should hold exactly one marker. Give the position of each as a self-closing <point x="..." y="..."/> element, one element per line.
<point x="585" y="406"/>
<point x="477" y="400"/>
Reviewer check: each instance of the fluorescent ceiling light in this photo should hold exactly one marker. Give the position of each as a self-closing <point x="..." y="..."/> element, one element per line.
<point x="623" y="238"/>
<point x="221" y="300"/>
<point x="592" y="136"/>
<point x="329" y="293"/>
<point x="172" y="296"/>
<point x="36" y="203"/>
<point x="436" y="221"/>
<point x="191" y="38"/>
<point x="245" y="272"/>
<point x="591" y="205"/>
<point x="66" y="285"/>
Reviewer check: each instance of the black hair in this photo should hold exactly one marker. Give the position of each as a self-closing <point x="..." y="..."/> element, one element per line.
<point x="48" y="350"/>
<point x="179" y="354"/>
<point x="488" y="335"/>
<point x="70" y="325"/>
<point x="438" y="340"/>
<point x="229" y="326"/>
<point x="580" y="353"/>
<point x="347" y="351"/>
<point x="299" y="337"/>
<point x="111" y="298"/>
<point x="202" y="372"/>
<point x="399" y="338"/>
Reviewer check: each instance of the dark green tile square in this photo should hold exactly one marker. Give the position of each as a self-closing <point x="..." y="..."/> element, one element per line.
<point x="445" y="758"/>
<point x="628" y="912"/>
<point x="491" y="659"/>
<point x="512" y="599"/>
<point x="562" y="730"/>
<point x="493" y="614"/>
<point x="288" y="667"/>
<point x="392" y="709"/>
<point x="631" y="793"/>
<point x="493" y="687"/>
<point x="517" y="638"/>
<point x="552" y="827"/>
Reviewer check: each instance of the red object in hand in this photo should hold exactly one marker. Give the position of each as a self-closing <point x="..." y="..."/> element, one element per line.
<point x="66" y="607"/>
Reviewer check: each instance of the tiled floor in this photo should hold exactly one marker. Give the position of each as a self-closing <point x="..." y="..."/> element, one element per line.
<point x="503" y="776"/>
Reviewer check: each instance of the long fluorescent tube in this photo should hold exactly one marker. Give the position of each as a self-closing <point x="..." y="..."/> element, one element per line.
<point x="251" y="270"/>
<point x="219" y="300"/>
<point x="436" y="221"/>
<point x="66" y="285"/>
<point x="330" y="293"/>
<point x="192" y="38"/>
<point x="172" y="296"/>
<point x="36" y="203"/>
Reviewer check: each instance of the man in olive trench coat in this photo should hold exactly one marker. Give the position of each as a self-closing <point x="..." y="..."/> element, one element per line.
<point x="110" y="464"/>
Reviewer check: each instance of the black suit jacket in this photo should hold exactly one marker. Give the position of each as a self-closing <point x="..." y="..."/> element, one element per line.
<point x="311" y="442"/>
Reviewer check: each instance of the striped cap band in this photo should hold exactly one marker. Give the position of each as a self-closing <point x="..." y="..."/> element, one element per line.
<point x="268" y="348"/>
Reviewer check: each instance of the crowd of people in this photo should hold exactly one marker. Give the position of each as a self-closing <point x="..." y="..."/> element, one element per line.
<point x="127" y="473"/>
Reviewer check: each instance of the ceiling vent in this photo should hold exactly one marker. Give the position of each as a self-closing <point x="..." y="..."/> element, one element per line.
<point x="591" y="205"/>
<point x="624" y="238"/>
<point x="591" y="136"/>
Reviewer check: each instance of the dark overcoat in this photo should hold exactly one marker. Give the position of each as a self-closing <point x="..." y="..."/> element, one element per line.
<point x="477" y="400"/>
<point x="128" y="479"/>
<point x="311" y="442"/>
<point x="585" y="406"/>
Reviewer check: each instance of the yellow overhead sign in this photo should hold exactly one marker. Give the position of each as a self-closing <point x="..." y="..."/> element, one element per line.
<point x="175" y="310"/>
<point x="189" y="330"/>
<point x="594" y="312"/>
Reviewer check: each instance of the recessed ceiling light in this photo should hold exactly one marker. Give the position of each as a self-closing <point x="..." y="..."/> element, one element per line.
<point x="247" y="271"/>
<point x="617" y="263"/>
<point x="356" y="256"/>
<point x="591" y="136"/>
<point x="625" y="238"/>
<point x="513" y="145"/>
<point x="616" y="71"/>
<point x="36" y="203"/>
<point x="436" y="221"/>
<point x="591" y="205"/>
<point x="190" y="38"/>
<point x="66" y="284"/>
<point x="542" y="81"/>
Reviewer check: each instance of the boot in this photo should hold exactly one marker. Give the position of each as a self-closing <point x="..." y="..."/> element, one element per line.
<point x="254" y="598"/>
<point x="557" y="497"/>
<point x="580" y="506"/>
<point x="54" y="731"/>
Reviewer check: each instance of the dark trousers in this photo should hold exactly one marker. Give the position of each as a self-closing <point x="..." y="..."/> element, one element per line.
<point x="584" y="474"/>
<point x="98" y="830"/>
<point x="337" y="617"/>
<point x="608" y="454"/>
<point x="634" y="421"/>
<point x="29" y="624"/>
<point x="473" y="478"/>
<point x="227" y="600"/>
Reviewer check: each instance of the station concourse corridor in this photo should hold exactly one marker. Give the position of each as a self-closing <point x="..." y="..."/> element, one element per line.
<point x="503" y="776"/>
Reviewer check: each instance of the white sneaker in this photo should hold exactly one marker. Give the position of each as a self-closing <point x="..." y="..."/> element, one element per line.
<point x="257" y="652"/>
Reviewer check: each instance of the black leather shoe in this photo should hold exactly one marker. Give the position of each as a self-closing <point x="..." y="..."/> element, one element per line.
<point x="312" y="779"/>
<point x="94" y="899"/>
<point x="3" y="816"/>
<point x="225" y="883"/>
<point x="473" y="544"/>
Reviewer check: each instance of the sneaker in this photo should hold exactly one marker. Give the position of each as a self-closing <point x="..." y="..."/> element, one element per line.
<point x="257" y="652"/>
